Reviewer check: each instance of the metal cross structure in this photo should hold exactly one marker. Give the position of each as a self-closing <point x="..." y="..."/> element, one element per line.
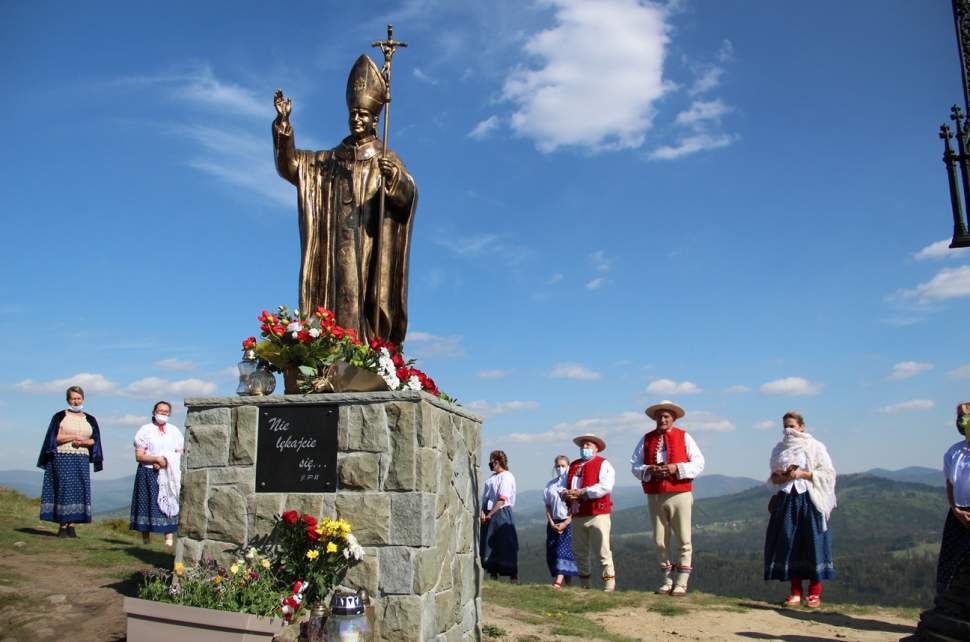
<point x="961" y="236"/>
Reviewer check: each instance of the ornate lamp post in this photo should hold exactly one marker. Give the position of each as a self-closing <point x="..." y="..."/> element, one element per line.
<point x="959" y="193"/>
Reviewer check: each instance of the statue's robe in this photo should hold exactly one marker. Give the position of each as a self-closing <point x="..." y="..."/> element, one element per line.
<point x="339" y="208"/>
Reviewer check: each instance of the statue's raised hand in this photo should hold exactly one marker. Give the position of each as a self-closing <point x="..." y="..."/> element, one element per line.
<point x="283" y="107"/>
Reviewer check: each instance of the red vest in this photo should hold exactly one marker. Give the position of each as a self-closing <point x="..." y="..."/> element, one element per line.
<point x="676" y="454"/>
<point x="590" y="474"/>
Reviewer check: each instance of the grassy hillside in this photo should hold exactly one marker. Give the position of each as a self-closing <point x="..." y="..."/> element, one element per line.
<point x="885" y="538"/>
<point x="109" y="497"/>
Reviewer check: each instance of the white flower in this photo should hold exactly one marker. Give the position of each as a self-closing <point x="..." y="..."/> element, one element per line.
<point x="414" y="383"/>
<point x="252" y="553"/>
<point x="294" y="327"/>
<point x="314" y="332"/>
<point x="353" y="550"/>
<point x="387" y="371"/>
<point x="295" y="335"/>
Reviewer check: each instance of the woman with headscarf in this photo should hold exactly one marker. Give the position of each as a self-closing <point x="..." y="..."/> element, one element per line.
<point x="155" y="499"/>
<point x="499" y="541"/>
<point x="955" y="547"/>
<point x="71" y="445"/>
<point x="798" y="545"/>
<point x="559" y="536"/>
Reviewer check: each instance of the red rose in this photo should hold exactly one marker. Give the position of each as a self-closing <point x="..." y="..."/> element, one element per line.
<point x="376" y="344"/>
<point x="398" y="360"/>
<point x="290" y="517"/>
<point x="310" y="521"/>
<point x="279" y="330"/>
<point x="338" y="332"/>
<point x="304" y="336"/>
<point x="311" y="534"/>
<point x="350" y="332"/>
<point x="249" y="343"/>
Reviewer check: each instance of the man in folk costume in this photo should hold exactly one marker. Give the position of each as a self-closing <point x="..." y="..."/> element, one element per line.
<point x="352" y="260"/>
<point x="666" y="460"/>
<point x="589" y="482"/>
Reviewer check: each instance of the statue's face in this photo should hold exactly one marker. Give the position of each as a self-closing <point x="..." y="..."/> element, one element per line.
<point x="361" y="123"/>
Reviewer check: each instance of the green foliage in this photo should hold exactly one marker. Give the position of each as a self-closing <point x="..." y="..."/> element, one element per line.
<point x="319" y="553"/>
<point x="492" y="631"/>
<point x="248" y="586"/>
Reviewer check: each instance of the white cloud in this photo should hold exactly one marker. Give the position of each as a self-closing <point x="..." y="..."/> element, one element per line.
<point x="537" y="437"/>
<point x="949" y="283"/>
<point x="480" y="245"/>
<point x="791" y="386"/>
<point x="736" y="390"/>
<point x="494" y="374"/>
<point x="905" y="406"/>
<point x="963" y="372"/>
<point x="937" y="250"/>
<point x="671" y="387"/>
<point x="427" y="345"/>
<point x="174" y="365"/>
<point x="767" y="424"/>
<point x="91" y="382"/>
<point x="554" y="279"/>
<point x="595" y="284"/>
<point x="625" y="422"/>
<point x="600" y="262"/>
<point x="692" y="144"/>
<point x="704" y="421"/>
<point x="125" y="421"/>
<point x="709" y="79"/>
<point x="573" y="371"/>
<point x="485" y="127"/>
<point x="156" y="387"/>
<point x="701" y="110"/>
<point x="907" y="369"/>
<point x="599" y="72"/>
<point x="489" y="409"/>
<point x="418" y="73"/>
<point x="198" y="85"/>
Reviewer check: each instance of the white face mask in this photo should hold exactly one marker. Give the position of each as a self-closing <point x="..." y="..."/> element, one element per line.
<point x="559" y="471"/>
<point x="76" y="408"/>
<point x="161" y="419"/>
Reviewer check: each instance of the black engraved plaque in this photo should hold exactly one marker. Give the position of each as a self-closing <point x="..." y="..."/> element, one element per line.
<point x="296" y="451"/>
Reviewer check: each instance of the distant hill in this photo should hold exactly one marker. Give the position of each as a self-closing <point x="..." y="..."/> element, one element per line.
<point x="914" y="474"/>
<point x="885" y="538"/>
<point x="107" y="495"/>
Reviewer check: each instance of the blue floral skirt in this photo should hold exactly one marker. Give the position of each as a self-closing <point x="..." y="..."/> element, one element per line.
<point x="795" y="544"/>
<point x="559" y="551"/>
<point x="146" y="516"/>
<point x="66" y="495"/>
<point x="500" y="545"/>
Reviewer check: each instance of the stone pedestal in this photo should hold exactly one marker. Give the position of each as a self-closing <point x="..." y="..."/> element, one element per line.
<point x="407" y="481"/>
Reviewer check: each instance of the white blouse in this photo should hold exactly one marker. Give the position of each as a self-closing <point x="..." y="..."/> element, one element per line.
<point x="799" y="485"/>
<point x="156" y="443"/>
<point x="956" y="468"/>
<point x="557" y="507"/>
<point x="499" y="486"/>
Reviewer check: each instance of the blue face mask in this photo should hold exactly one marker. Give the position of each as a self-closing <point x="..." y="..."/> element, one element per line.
<point x="76" y="408"/>
<point x="586" y="453"/>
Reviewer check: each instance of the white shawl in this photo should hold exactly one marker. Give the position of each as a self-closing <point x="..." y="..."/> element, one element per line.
<point x="821" y="487"/>
<point x="170" y="483"/>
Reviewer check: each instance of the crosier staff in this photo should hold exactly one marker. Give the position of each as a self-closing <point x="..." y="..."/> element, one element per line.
<point x="388" y="47"/>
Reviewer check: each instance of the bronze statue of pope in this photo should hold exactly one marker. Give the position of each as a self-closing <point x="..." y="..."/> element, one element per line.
<point x="354" y="261"/>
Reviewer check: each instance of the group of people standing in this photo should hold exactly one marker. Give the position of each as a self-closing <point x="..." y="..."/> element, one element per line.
<point x="665" y="461"/>
<point x="72" y="445"/>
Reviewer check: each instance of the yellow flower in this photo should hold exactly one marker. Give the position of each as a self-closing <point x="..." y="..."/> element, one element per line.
<point x="312" y="554"/>
<point x="217" y="579"/>
<point x="234" y="569"/>
<point x="179" y="568"/>
<point x="265" y="563"/>
<point x="331" y="547"/>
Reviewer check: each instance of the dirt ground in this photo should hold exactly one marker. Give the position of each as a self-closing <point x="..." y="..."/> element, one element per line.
<point x="758" y="622"/>
<point x="63" y="601"/>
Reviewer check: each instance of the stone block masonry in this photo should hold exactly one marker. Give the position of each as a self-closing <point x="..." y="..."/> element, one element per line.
<point x="407" y="481"/>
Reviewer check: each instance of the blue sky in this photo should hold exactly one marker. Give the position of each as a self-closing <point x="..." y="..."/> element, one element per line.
<point x="737" y="206"/>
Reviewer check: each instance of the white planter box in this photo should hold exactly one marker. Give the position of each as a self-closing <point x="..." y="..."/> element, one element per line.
<point x="150" y="621"/>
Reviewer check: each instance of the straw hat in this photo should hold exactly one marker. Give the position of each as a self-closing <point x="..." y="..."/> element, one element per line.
<point x="665" y="405"/>
<point x="600" y="444"/>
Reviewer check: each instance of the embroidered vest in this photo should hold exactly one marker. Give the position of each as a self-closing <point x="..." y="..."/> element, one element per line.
<point x="589" y="472"/>
<point x="676" y="454"/>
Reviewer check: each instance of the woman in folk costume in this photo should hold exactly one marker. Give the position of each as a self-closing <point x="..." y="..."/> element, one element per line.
<point x="559" y="537"/>
<point x="71" y="445"/>
<point x="155" y="500"/>
<point x="798" y="545"/>
<point x="499" y="541"/>
<point x="955" y="547"/>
